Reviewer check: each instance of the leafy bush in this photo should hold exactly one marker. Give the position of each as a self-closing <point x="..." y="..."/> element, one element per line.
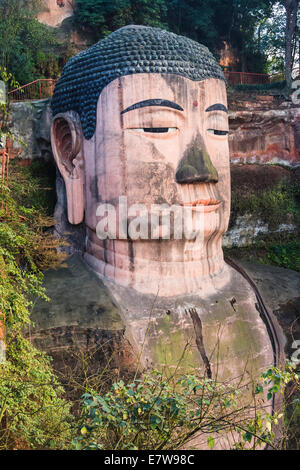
<point x="285" y="255"/>
<point x="161" y="414"/>
<point x="263" y="87"/>
<point x="273" y="206"/>
<point x="33" y="412"/>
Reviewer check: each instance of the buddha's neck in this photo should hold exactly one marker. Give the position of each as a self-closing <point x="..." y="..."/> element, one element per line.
<point x="160" y="267"/>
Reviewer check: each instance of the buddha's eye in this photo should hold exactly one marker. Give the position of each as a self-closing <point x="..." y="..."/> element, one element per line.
<point x="217" y="132"/>
<point x="156" y="130"/>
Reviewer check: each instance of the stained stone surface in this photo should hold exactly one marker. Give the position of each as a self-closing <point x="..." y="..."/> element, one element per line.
<point x="31" y="121"/>
<point x="78" y="298"/>
<point x="234" y="335"/>
<point x="80" y="321"/>
<point x="84" y="309"/>
<point x="280" y="289"/>
<point x="265" y="135"/>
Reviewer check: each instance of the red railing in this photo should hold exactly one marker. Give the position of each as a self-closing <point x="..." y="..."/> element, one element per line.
<point x="37" y="90"/>
<point x="44" y="87"/>
<point x="246" y="78"/>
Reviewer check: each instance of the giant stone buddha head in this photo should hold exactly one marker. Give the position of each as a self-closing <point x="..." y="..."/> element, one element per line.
<point x="142" y="114"/>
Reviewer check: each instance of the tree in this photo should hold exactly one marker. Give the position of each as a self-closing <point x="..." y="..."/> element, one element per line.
<point x="98" y="18"/>
<point x="23" y="38"/>
<point x="167" y="412"/>
<point x="292" y="10"/>
<point x="213" y="21"/>
<point x="209" y="22"/>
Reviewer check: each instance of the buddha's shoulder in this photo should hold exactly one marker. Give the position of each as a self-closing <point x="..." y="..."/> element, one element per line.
<point x="278" y="286"/>
<point x="77" y="298"/>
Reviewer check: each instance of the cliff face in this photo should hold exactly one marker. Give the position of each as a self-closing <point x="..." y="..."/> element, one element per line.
<point x="55" y="12"/>
<point x="264" y="132"/>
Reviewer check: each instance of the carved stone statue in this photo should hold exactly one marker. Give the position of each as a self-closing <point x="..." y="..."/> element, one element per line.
<point x="141" y="118"/>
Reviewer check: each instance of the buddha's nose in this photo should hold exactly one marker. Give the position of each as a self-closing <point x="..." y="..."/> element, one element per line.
<point x="196" y="166"/>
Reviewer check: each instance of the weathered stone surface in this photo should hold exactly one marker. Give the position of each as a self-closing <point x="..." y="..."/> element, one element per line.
<point x="78" y="298"/>
<point x="265" y="98"/>
<point x="85" y="312"/>
<point x="233" y="332"/>
<point x="31" y="122"/>
<point x="81" y="316"/>
<point x="255" y="177"/>
<point x="265" y="135"/>
<point x="85" y="315"/>
<point x="280" y="289"/>
<point x="248" y="227"/>
<point x="55" y="12"/>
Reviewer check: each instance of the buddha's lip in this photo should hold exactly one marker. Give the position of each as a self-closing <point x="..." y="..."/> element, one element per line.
<point x="209" y="205"/>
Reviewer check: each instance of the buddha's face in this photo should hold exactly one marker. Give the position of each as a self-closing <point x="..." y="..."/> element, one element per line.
<point x="160" y="139"/>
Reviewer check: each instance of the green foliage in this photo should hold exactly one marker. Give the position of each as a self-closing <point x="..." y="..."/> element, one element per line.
<point x="207" y="21"/>
<point x="100" y="17"/>
<point x="160" y="414"/>
<point x="274" y="206"/>
<point x="282" y="250"/>
<point x="264" y="87"/>
<point x="23" y="40"/>
<point x="286" y="255"/>
<point x="254" y="29"/>
<point x="32" y="410"/>
<point x="148" y="413"/>
<point x="9" y="82"/>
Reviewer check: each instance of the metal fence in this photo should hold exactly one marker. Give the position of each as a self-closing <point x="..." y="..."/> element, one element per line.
<point x="37" y="90"/>
<point x="44" y="87"/>
<point x="246" y="78"/>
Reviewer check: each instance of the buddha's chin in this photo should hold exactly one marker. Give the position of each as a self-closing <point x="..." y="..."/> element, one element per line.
<point x="159" y="267"/>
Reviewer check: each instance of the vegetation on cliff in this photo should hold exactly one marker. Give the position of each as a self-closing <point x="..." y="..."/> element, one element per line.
<point x="29" y="49"/>
<point x="252" y="29"/>
<point x="33" y="412"/>
<point x="169" y="413"/>
<point x="276" y="205"/>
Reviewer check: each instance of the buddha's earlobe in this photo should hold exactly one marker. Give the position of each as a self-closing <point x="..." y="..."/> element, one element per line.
<point x="67" y="146"/>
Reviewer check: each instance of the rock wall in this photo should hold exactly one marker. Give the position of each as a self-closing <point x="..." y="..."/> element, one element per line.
<point x="263" y="132"/>
<point x="249" y="222"/>
<point x="30" y="123"/>
<point x="248" y="228"/>
<point x="55" y="11"/>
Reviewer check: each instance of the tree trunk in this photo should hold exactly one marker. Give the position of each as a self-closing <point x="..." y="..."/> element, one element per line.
<point x="291" y="7"/>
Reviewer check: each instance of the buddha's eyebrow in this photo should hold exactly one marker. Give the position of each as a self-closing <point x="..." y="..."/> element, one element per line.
<point x="155" y="102"/>
<point x="217" y="107"/>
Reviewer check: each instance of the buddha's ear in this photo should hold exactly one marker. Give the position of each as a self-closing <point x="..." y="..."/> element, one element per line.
<point x="67" y="146"/>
